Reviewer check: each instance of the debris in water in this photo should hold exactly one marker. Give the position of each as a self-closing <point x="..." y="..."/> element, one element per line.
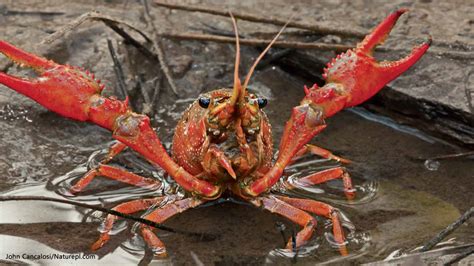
<point x="432" y="165"/>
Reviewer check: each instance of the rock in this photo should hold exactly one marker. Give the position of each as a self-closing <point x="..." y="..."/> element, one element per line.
<point x="180" y="65"/>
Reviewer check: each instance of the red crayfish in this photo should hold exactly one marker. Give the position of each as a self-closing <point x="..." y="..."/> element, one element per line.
<point x="223" y="141"/>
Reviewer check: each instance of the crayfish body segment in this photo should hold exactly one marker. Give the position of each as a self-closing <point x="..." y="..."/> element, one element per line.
<point x="223" y="141"/>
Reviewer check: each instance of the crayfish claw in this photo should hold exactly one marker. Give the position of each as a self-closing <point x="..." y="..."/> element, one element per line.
<point x="393" y="69"/>
<point x="24" y="58"/>
<point x="380" y="33"/>
<point x="23" y="86"/>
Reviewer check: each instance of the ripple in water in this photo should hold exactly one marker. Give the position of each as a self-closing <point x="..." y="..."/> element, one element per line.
<point x="321" y="244"/>
<point x="331" y="192"/>
<point x="115" y="193"/>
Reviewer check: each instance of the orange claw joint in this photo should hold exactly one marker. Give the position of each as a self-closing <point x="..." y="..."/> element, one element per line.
<point x="351" y="78"/>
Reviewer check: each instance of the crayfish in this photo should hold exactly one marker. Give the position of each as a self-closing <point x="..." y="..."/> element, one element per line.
<point x="223" y="141"/>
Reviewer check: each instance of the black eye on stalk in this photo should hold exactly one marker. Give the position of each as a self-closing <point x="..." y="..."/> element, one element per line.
<point x="262" y="102"/>
<point x="204" y="102"/>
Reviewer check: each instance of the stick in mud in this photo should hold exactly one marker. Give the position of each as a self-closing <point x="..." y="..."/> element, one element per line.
<point x="118" y="70"/>
<point x="460" y="55"/>
<point x="448" y="230"/>
<point x="460" y="256"/>
<point x="158" y="50"/>
<point x="109" y="211"/>
<point x="254" y="18"/>
<point x="113" y="24"/>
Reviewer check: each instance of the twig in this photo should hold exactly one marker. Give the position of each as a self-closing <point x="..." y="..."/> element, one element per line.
<point x="67" y="28"/>
<point x="128" y="38"/>
<point x="293" y="246"/>
<point x="118" y="70"/>
<point x="314" y="28"/>
<point x="448" y="230"/>
<point x="254" y="18"/>
<point x="89" y="16"/>
<point x="8" y="12"/>
<point x="113" y="24"/>
<point x="158" y="50"/>
<point x="304" y="45"/>
<point x="448" y="156"/>
<point x="460" y="256"/>
<point x="255" y="42"/>
<point x="467" y="90"/>
<point x="147" y="105"/>
<point x="157" y="84"/>
<point x="281" y="228"/>
<point x="109" y="211"/>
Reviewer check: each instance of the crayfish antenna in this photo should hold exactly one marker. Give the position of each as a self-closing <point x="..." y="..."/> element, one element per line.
<point x="237" y="90"/>
<point x="252" y="69"/>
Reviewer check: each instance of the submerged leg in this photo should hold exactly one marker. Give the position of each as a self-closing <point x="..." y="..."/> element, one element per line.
<point x="321" y="209"/>
<point x="159" y="216"/>
<point x="326" y="175"/>
<point x="313" y="149"/>
<point x="115" y="173"/>
<point x="127" y="208"/>
<point x="114" y="150"/>
<point x="294" y="214"/>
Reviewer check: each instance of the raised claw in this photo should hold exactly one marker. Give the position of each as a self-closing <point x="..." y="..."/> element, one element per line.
<point x="359" y="74"/>
<point x="74" y="93"/>
<point x="60" y="88"/>
<point x="351" y="78"/>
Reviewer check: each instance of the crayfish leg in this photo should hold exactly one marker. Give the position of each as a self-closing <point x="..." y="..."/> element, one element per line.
<point x="114" y="150"/>
<point x="294" y="214"/>
<point x="127" y="208"/>
<point x="321" y="209"/>
<point x="326" y="175"/>
<point x="159" y="216"/>
<point x="114" y="173"/>
<point x="313" y="149"/>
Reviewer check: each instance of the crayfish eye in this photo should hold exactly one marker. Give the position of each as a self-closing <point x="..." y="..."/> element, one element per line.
<point x="262" y="102"/>
<point x="204" y="102"/>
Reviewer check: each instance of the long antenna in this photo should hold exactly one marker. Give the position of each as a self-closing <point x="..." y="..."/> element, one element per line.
<point x="237" y="85"/>
<point x="263" y="54"/>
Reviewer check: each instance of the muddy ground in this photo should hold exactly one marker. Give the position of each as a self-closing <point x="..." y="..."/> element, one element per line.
<point x="401" y="203"/>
